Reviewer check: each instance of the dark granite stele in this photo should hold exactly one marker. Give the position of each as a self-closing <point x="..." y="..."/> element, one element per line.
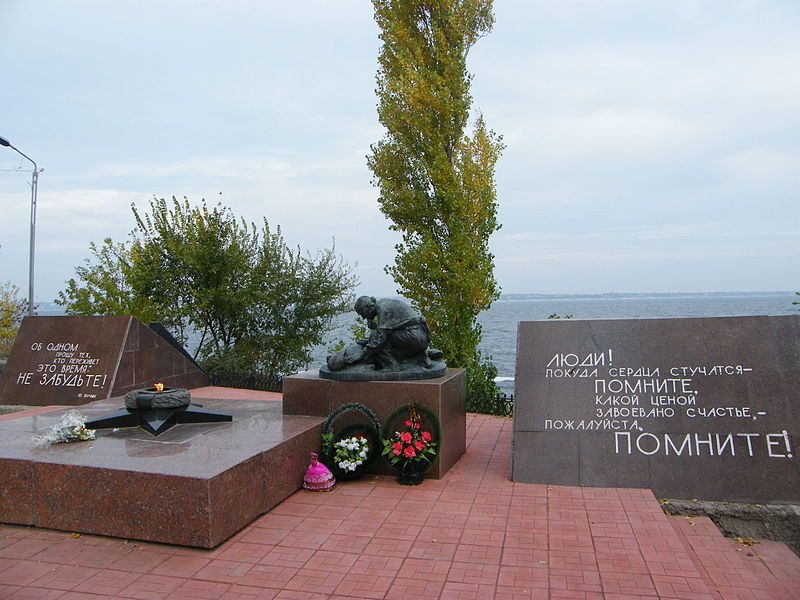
<point x="731" y="431"/>
<point x="195" y="485"/>
<point x="309" y="394"/>
<point x="76" y="360"/>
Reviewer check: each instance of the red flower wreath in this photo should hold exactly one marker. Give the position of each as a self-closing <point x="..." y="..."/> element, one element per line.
<point x="414" y="444"/>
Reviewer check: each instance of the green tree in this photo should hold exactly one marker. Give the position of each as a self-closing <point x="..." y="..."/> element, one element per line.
<point x="102" y="287"/>
<point x="253" y="303"/>
<point x="436" y="182"/>
<point x="195" y="265"/>
<point x="12" y="310"/>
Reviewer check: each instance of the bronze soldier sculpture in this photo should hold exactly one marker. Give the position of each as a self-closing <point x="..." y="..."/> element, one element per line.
<point x="397" y="347"/>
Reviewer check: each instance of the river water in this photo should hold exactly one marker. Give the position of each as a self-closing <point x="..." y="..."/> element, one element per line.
<point x="500" y="321"/>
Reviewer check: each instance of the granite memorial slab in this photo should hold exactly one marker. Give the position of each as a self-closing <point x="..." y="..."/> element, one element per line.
<point x="194" y="485"/>
<point x="705" y="408"/>
<point x="76" y="360"/>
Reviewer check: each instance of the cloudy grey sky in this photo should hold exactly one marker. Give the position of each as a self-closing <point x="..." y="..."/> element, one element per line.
<point x="651" y="145"/>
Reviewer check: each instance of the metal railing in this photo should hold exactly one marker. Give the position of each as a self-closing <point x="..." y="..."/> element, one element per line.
<point x="500" y="404"/>
<point x="252" y="381"/>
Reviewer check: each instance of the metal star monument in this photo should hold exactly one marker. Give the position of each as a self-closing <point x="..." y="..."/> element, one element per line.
<point x="155" y="420"/>
<point x="158" y="420"/>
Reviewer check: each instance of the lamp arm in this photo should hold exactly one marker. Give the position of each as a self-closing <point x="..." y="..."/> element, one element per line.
<point x="25" y="156"/>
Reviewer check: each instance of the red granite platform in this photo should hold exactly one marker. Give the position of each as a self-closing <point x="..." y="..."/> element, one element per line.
<point x="194" y="485"/>
<point x="473" y="534"/>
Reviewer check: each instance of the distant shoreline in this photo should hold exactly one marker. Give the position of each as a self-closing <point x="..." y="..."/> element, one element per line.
<point x="51" y="308"/>
<point x="639" y="295"/>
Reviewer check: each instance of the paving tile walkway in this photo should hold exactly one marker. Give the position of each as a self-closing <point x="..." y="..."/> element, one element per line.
<point x="472" y="535"/>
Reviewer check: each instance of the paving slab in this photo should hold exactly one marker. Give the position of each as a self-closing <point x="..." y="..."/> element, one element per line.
<point x="472" y="534"/>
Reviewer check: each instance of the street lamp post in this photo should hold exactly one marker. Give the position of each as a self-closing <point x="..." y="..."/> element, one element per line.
<point x="34" y="190"/>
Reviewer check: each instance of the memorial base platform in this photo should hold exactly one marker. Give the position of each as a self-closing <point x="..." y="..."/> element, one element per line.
<point x="194" y="485"/>
<point x="308" y="394"/>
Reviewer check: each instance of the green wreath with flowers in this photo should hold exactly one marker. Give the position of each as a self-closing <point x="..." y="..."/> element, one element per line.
<point x="349" y="449"/>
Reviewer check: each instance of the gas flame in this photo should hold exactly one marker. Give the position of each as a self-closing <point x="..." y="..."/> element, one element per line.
<point x="159" y="387"/>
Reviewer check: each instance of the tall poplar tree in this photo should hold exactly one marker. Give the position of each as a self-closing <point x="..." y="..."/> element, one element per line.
<point x="436" y="181"/>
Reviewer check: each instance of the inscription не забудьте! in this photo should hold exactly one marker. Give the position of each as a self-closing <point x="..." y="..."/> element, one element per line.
<point x="632" y="401"/>
<point x="74" y="360"/>
<point x="63" y="364"/>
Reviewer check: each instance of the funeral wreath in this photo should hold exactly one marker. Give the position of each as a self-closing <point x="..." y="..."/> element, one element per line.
<point x="412" y="446"/>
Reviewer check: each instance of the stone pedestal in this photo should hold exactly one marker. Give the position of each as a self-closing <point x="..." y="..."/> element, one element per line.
<point x="308" y="394"/>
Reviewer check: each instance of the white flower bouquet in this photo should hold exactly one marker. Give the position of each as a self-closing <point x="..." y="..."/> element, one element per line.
<point x="69" y="428"/>
<point x="351" y="453"/>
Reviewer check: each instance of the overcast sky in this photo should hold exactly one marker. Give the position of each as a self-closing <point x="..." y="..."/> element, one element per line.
<point x="651" y="145"/>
